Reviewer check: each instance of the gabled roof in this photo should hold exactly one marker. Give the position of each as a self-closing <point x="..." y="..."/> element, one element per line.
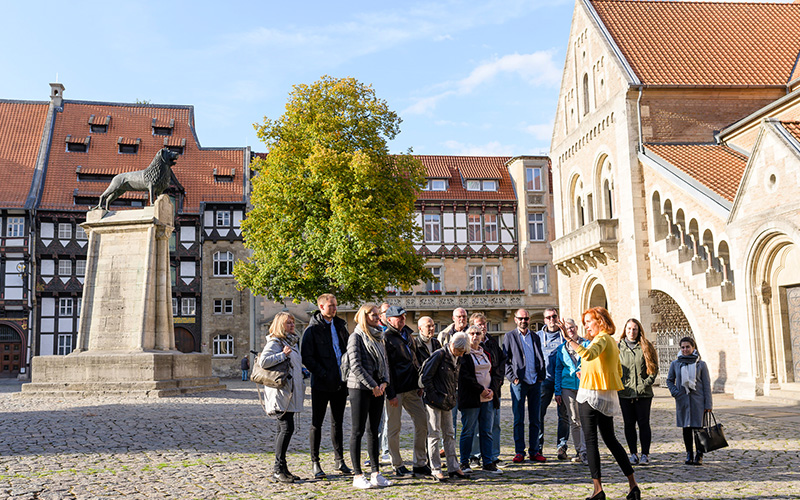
<point x="134" y="124"/>
<point x="21" y="127"/>
<point x="456" y="168"/>
<point x="705" y="43"/>
<point x="793" y="128"/>
<point x="717" y="167"/>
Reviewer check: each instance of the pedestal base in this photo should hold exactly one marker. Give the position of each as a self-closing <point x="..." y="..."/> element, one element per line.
<point x="144" y="374"/>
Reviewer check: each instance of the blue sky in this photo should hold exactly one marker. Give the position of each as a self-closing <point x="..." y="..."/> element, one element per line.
<point x="467" y="78"/>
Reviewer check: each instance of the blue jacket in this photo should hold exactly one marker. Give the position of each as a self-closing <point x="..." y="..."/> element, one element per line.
<point x="566" y="370"/>
<point x="551" y="344"/>
<point x="515" y="356"/>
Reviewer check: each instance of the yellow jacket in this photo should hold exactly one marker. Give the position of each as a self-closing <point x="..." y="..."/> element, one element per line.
<point x="600" y="368"/>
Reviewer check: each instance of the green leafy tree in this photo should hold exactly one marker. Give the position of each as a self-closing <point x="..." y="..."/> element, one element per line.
<point x="333" y="211"/>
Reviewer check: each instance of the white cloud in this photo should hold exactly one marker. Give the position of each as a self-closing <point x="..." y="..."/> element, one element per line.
<point x="493" y="148"/>
<point x="542" y="131"/>
<point x="537" y="69"/>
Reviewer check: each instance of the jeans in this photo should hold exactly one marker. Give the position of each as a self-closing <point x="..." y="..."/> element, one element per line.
<point x="637" y="411"/>
<point x="364" y="405"/>
<point x="592" y="421"/>
<point x="245" y="375"/>
<point x="519" y="393"/>
<point x="562" y="431"/>
<point x="473" y="419"/>
<point x="284" y="435"/>
<point x="496" y="435"/>
<point x="319" y="406"/>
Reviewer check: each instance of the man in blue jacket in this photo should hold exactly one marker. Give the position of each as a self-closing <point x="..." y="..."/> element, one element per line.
<point x="525" y="369"/>
<point x="551" y="342"/>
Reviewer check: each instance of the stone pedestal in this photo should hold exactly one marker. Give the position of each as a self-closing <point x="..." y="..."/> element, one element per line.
<point x="126" y="341"/>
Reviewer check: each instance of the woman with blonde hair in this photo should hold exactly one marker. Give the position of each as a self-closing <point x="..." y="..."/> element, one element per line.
<point x="283" y="402"/>
<point x="367" y="379"/>
<point x="639" y="370"/>
<point x="601" y="374"/>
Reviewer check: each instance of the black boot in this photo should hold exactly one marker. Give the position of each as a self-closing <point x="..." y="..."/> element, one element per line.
<point x="689" y="459"/>
<point x="342" y="467"/>
<point x="317" y="471"/>
<point x="281" y="474"/>
<point x="698" y="459"/>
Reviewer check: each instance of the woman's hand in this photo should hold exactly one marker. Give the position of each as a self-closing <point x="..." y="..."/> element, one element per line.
<point x="487" y="394"/>
<point x="287" y="350"/>
<point x="377" y="391"/>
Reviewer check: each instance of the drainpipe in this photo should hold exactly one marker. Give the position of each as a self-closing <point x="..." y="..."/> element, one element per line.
<point x="639" y="118"/>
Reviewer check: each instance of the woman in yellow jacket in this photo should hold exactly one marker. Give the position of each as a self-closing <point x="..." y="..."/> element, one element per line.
<point x="601" y="378"/>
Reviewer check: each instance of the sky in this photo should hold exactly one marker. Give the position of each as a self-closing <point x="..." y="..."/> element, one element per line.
<point x="466" y="77"/>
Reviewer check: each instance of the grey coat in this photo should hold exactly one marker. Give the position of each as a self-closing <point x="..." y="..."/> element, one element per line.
<point x="288" y="398"/>
<point x="689" y="408"/>
<point x="364" y="373"/>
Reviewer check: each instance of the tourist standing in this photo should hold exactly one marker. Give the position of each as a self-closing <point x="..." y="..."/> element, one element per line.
<point x="367" y="379"/>
<point x="552" y="341"/>
<point x="283" y="402"/>
<point x="324" y="342"/>
<point x="459" y="324"/>
<point x="426" y="342"/>
<point x="639" y="370"/>
<point x="568" y="369"/>
<point x="245" y="367"/>
<point x="690" y="384"/>
<point x="525" y="370"/>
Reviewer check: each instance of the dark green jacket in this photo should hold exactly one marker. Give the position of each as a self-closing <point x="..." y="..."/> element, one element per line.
<point x="638" y="384"/>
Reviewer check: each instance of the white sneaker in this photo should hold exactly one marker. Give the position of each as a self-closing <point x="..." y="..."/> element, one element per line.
<point x="361" y="482"/>
<point x="644" y="460"/>
<point x="634" y="458"/>
<point x="378" y="481"/>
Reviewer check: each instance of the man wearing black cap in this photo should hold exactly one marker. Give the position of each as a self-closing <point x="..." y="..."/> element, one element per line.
<point x="404" y="392"/>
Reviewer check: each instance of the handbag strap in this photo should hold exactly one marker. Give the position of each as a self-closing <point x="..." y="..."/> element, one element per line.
<point x="708" y="417"/>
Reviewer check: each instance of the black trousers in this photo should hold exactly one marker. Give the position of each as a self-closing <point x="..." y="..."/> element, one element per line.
<point x="591" y="422"/>
<point x="319" y="406"/>
<point x="688" y="437"/>
<point x="637" y="412"/>
<point x="285" y="431"/>
<point x="365" y="406"/>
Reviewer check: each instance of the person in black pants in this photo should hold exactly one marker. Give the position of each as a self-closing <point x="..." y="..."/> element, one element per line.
<point x="367" y="374"/>
<point x="324" y="343"/>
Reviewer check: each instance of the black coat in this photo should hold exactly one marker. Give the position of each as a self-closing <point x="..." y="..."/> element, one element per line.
<point x="318" y="354"/>
<point x="439" y="379"/>
<point x="422" y="349"/>
<point x="403" y="362"/>
<point x="495" y="352"/>
<point x="469" y="390"/>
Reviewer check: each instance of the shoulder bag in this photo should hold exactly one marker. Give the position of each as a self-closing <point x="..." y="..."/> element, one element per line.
<point x="275" y="376"/>
<point x="710" y="437"/>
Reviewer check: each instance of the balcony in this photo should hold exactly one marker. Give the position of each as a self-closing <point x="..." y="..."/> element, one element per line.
<point x="587" y="247"/>
<point x="483" y="300"/>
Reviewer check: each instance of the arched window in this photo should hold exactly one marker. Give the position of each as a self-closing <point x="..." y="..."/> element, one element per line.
<point x="585" y="93"/>
<point x="223" y="264"/>
<point x="581" y="221"/>
<point x="659" y="223"/>
<point x="608" y="198"/>
<point x="223" y="346"/>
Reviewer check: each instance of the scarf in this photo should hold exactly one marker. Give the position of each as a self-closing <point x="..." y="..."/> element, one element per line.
<point x="374" y="347"/>
<point x="689" y="371"/>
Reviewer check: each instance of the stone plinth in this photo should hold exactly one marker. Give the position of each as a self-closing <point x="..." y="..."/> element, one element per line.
<point x="126" y="340"/>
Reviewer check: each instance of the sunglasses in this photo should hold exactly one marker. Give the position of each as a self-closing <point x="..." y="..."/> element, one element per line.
<point x="551" y="317"/>
<point x="522" y="319"/>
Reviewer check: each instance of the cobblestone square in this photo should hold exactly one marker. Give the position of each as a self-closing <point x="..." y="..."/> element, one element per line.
<point x="219" y="445"/>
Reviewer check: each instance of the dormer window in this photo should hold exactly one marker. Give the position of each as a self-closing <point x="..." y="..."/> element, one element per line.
<point x="163" y="127"/>
<point x="473" y="185"/>
<point x="436" y="185"/>
<point x="482" y="185"/>
<point x="98" y="124"/>
<point x="175" y="145"/>
<point x="77" y="144"/>
<point x="128" y="146"/>
<point x="224" y="174"/>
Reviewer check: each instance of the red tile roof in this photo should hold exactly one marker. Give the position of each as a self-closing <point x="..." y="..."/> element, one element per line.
<point x="717" y="167"/>
<point x="454" y="168"/>
<point x="705" y="43"/>
<point x="21" y="128"/>
<point x="194" y="168"/>
<point x="793" y="128"/>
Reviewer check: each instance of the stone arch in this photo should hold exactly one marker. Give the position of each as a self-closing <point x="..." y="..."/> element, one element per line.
<point x="660" y="228"/>
<point x="576" y="209"/>
<point x="593" y="292"/>
<point x="670" y="324"/>
<point x="604" y="187"/>
<point x="185" y="341"/>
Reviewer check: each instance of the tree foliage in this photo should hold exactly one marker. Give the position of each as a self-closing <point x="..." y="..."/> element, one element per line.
<point x="333" y="211"/>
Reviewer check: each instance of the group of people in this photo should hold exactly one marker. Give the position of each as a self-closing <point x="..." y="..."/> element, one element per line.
<point x="383" y="368"/>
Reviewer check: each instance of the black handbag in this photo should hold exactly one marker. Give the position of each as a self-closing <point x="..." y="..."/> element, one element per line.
<point x="275" y="376"/>
<point x="710" y="437"/>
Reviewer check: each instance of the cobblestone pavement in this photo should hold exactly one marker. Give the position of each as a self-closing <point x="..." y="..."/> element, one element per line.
<point x="218" y="445"/>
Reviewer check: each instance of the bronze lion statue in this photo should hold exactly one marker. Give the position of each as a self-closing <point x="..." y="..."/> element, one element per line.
<point x="154" y="179"/>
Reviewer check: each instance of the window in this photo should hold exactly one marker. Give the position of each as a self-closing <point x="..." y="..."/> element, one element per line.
<point x="434" y="285"/>
<point x="473" y="185"/>
<point x="65" y="231"/>
<point x="172" y="241"/>
<point x="492" y="277"/>
<point x="173" y="275"/>
<point x="98" y="129"/>
<point x="475" y="278"/>
<point x="223" y="264"/>
<point x="536" y="226"/>
<point x="533" y="179"/>
<point x="223" y="306"/>
<point x="188" y="305"/>
<point x="162" y="130"/>
<point x="80" y="267"/>
<point x="78" y="304"/>
<point x="538" y="279"/>
<point x="64" y="344"/>
<point x="129" y="149"/>
<point x="80" y="234"/>
<point x="474" y="228"/>
<point x="433" y="228"/>
<point x="174" y="306"/>
<point x="490" y="227"/>
<point x="490" y="185"/>
<point x="223" y="346"/>
<point x="15" y="227"/>
<point x="64" y="267"/>
<point x="65" y="307"/>
<point x="76" y="147"/>
<point x="223" y="219"/>
<point x="437" y="185"/>
<point x="585" y="93"/>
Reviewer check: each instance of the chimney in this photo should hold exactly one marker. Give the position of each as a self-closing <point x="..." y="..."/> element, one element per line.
<point x="56" y="94"/>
